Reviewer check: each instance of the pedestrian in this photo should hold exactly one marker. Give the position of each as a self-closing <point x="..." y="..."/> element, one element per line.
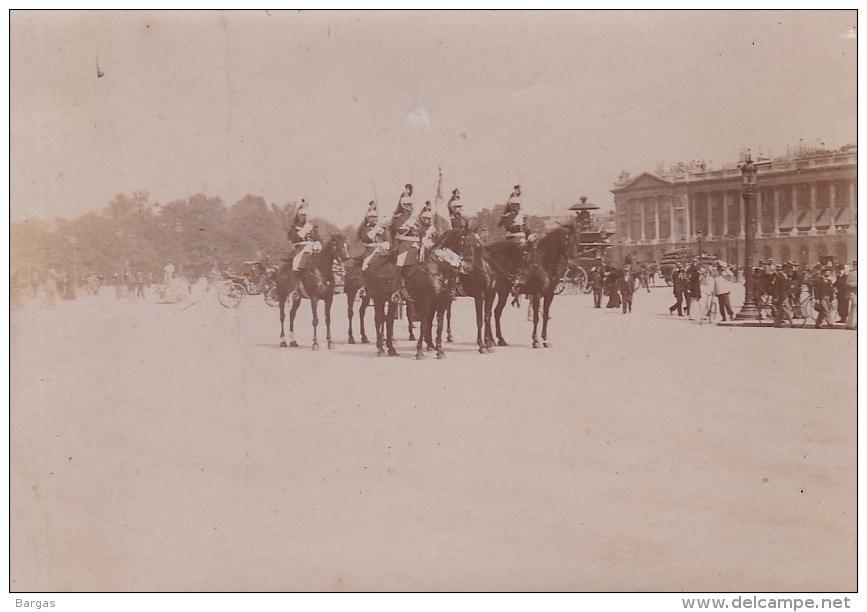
<point x="693" y="281"/>
<point x="596" y="283"/>
<point x="781" y="293"/>
<point x="722" y="289"/>
<point x="168" y="273"/>
<point x="852" y="294"/>
<point x="842" y="293"/>
<point x="678" y="282"/>
<point x="823" y="291"/>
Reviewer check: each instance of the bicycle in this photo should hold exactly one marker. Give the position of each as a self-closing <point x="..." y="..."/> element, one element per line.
<point x="710" y="312"/>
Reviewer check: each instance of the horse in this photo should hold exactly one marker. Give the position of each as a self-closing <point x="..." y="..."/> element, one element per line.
<point x="430" y="286"/>
<point x="378" y="283"/>
<point x="352" y="285"/>
<point x="315" y="282"/>
<point x="505" y="258"/>
<point x="548" y="259"/>
<point x="478" y="281"/>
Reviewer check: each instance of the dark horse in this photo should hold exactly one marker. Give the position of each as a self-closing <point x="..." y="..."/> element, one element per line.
<point x="353" y="284"/>
<point x="504" y="259"/>
<point x="315" y="282"/>
<point x="548" y="259"/>
<point x="478" y="280"/>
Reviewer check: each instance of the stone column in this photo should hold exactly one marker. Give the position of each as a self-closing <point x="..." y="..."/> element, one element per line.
<point x="853" y="212"/>
<point x="795" y="212"/>
<point x="812" y="208"/>
<point x="742" y="215"/>
<point x="726" y="202"/>
<point x="656" y="236"/>
<point x="642" y="205"/>
<point x="759" y="206"/>
<point x="776" y="211"/>
<point x="832" y="206"/>
<point x="672" y="220"/>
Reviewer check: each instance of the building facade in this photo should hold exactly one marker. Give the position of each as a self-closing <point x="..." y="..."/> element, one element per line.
<point x="806" y="208"/>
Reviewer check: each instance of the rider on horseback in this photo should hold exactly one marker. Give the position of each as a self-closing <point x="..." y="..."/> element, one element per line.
<point x="427" y="230"/>
<point x="456" y="211"/>
<point x="514" y="222"/>
<point x="372" y="235"/>
<point x="302" y="235"/>
<point x="405" y="231"/>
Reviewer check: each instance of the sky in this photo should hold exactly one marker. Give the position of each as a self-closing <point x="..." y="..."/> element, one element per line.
<point x="341" y="108"/>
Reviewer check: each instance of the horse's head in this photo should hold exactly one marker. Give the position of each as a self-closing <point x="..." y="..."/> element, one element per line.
<point x="340" y="247"/>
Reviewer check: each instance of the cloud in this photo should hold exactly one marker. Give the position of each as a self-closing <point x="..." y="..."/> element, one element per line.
<point x="419" y="115"/>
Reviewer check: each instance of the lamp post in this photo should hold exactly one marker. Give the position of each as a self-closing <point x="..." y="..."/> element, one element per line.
<point x="178" y="230"/>
<point x="748" y="310"/>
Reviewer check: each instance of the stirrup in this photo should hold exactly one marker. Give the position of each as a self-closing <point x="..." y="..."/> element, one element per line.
<point x="395" y="297"/>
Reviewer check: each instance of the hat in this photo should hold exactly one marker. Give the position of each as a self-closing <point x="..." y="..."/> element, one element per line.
<point x="455" y="192"/>
<point x="302" y="209"/>
<point x="371" y="210"/>
<point x="517" y="187"/>
<point x="408" y="186"/>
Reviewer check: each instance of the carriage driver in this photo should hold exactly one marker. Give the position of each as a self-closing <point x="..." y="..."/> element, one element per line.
<point x="456" y="211"/>
<point x="371" y="233"/>
<point x="404" y="231"/>
<point x="302" y="235"/>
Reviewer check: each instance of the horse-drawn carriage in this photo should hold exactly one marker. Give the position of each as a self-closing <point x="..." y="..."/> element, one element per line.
<point x="591" y="250"/>
<point x="255" y="280"/>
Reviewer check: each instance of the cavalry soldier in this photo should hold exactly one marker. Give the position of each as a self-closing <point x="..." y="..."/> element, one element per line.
<point x="404" y="231"/>
<point x="513" y="220"/>
<point x="456" y="211"/>
<point x="302" y="235"/>
<point x="427" y="230"/>
<point x="371" y="233"/>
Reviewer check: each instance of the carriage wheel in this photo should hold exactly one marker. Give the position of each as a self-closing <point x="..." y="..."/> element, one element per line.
<point x="562" y="283"/>
<point x="271" y="297"/>
<point x="231" y="294"/>
<point x="580" y="280"/>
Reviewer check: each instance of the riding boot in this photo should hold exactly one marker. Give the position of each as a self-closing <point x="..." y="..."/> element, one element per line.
<point x="397" y="281"/>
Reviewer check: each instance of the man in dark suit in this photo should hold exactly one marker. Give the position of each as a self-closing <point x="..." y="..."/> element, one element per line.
<point x="678" y="282"/>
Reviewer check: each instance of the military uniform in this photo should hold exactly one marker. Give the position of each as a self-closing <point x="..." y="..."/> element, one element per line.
<point x="302" y="236"/>
<point x="456" y="211"/>
<point x="372" y="235"/>
<point x="404" y="230"/>
<point x="512" y="219"/>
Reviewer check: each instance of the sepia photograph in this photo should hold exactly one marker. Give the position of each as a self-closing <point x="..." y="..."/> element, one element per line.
<point x="434" y="301"/>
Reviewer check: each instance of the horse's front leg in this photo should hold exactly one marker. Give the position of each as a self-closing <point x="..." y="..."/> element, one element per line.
<point x="282" y="319"/>
<point x="314" y="305"/>
<point x="423" y="309"/>
<point x="439" y="343"/>
<point x="328" y="301"/>
<point x="389" y="326"/>
<point x="546" y="308"/>
<point x="296" y="302"/>
<point x="502" y="297"/>
<point x="365" y="302"/>
<point x="488" y="306"/>
<point x="449" y="337"/>
<point x="477" y="302"/>
<point x="379" y="325"/>
<point x="350" y="303"/>
<point x="534" y="306"/>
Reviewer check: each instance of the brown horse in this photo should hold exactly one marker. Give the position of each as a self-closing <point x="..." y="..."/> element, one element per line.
<point x="315" y="282"/>
<point x="548" y="259"/>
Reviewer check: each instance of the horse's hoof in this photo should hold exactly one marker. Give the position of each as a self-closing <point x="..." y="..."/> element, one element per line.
<point x="393" y="352"/>
<point x="315" y="347"/>
<point x="502" y="342"/>
<point x="536" y="344"/>
<point x="547" y="344"/>
<point x="351" y="340"/>
<point x="440" y="355"/>
<point x="419" y="356"/>
<point x="412" y="337"/>
<point x="282" y="344"/>
<point x="293" y="344"/>
<point x="380" y="353"/>
<point x="330" y="345"/>
<point x="450" y="338"/>
<point x="364" y="340"/>
<point x="482" y="350"/>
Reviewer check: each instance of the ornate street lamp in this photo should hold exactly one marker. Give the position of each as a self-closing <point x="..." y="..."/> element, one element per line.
<point x="748" y="310"/>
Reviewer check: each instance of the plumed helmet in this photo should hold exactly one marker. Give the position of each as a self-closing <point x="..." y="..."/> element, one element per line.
<point x="302" y="209"/>
<point x="426" y="212"/>
<point x="372" y="213"/>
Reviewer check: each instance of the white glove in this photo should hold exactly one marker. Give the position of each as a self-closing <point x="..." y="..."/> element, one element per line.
<point x="385" y="246"/>
<point x="316" y="247"/>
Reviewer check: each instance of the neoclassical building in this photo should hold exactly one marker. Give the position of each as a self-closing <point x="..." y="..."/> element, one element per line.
<point x="806" y="207"/>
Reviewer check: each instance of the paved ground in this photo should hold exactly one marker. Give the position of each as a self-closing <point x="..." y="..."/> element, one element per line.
<point x="176" y="447"/>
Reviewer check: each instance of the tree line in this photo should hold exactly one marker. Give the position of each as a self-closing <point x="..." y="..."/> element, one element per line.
<point x="199" y="235"/>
